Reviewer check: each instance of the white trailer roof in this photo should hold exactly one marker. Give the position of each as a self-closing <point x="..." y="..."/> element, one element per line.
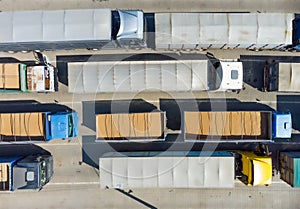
<point x="288" y="78"/>
<point x="135" y="76"/>
<point x="167" y="172"/>
<point x="55" y="26"/>
<point x="215" y="30"/>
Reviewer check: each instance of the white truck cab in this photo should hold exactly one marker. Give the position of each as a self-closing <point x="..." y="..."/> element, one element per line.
<point x="232" y="76"/>
<point x="226" y="75"/>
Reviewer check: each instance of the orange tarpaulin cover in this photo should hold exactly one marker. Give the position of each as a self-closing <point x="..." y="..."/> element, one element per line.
<point x="21" y="124"/>
<point x="9" y="76"/>
<point x="223" y="123"/>
<point x="135" y="125"/>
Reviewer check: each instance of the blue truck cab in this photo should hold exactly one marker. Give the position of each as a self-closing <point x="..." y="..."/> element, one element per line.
<point x="29" y="172"/>
<point x="62" y="125"/>
<point x="282" y="125"/>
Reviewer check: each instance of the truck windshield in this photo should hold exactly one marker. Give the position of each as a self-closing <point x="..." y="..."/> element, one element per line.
<point x="215" y="75"/>
<point x="219" y="75"/>
<point x="115" y="24"/>
<point x="43" y="169"/>
<point x="70" y="126"/>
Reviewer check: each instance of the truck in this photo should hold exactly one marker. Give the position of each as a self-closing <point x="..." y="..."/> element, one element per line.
<point x="70" y="29"/>
<point x="37" y="126"/>
<point x="131" y="127"/>
<point x="181" y="169"/>
<point x="105" y="28"/>
<point x="289" y="167"/>
<point x="235" y="126"/>
<point x="26" y="78"/>
<point x="281" y="76"/>
<point x="150" y="75"/>
<point x="29" y="172"/>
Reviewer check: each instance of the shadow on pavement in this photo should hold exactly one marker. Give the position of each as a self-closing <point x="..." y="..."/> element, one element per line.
<point x="290" y="103"/>
<point x="92" y="151"/>
<point x="254" y="67"/>
<point x="128" y="194"/>
<point x="91" y="108"/>
<point x="17" y="106"/>
<point x="10" y="150"/>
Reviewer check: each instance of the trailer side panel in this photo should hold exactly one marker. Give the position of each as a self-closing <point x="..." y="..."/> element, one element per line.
<point x="210" y="171"/>
<point x="61" y="29"/>
<point x="222" y="30"/>
<point x="135" y="76"/>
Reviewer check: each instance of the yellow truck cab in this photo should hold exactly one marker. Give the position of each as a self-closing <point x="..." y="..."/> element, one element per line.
<point x="256" y="169"/>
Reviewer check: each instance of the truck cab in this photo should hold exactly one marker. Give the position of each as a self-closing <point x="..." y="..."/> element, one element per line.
<point x="40" y="78"/>
<point x="255" y="168"/>
<point x="281" y="125"/>
<point x="63" y="125"/>
<point x="225" y="75"/>
<point x="296" y="33"/>
<point x="128" y="26"/>
<point x="32" y="172"/>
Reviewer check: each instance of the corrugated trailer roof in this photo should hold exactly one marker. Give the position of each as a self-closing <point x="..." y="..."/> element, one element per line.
<point x="135" y="76"/>
<point x="238" y="125"/>
<point x="216" y="30"/>
<point x="208" y="170"/>
<point x="288" y="74"/>
<point x="22" y="30"/>
<point x="131" y="126"/>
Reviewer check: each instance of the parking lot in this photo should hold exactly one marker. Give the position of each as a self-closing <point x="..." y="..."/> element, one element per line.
<point x="75" y="183"/>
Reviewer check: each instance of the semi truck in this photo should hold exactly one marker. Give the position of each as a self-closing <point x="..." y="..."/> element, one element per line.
<point x="190" y="74"/>
<point x="70" y="29"/>
<point x="289" y="165"/>
<point x="235" y="126"/>
<point x="105" y="28"/>
<point x="29" y="172"/>
<point x="178" y="169"/>
<point x="130" y="127"/>
<point x="26" y="78"/>
<point x="37" y="126"/>
<point x="281" y="76"/>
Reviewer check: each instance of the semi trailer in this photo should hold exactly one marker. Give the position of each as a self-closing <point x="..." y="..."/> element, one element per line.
<point x="225" y="30"/>
<point x="37" y="126"/>
<point x="235" y="126"/>
<point x="188" y="74"/>
<point x="177" y="169"/>
<point x="70" y="29"/>
<point x="29" y="172"/>
<point x="282" y="76"/>
<point x="124" y="127"/>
